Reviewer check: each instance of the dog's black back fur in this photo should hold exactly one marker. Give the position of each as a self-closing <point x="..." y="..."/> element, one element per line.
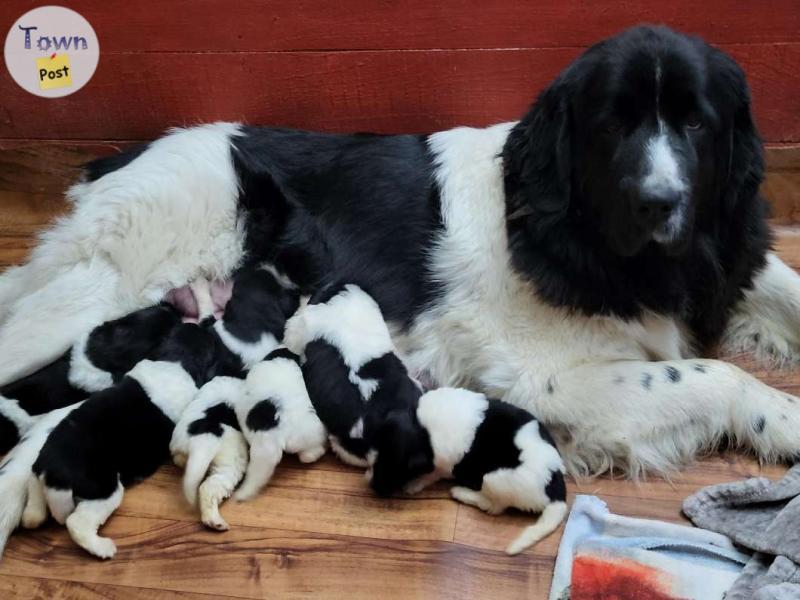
<point x="362" y="208"/>
<point x="553" y="235"/>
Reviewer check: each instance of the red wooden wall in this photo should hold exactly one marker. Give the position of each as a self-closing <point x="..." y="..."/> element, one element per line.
<point x="380" y="65"/>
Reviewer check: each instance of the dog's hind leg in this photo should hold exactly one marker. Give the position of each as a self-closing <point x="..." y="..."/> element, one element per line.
<point x="226" y="472"/>
<point x="86" y="520"/>
<point x="265" y="454"/>
<point x="51" y="319"/>
<point x="657" y="416"/>
<point x="35" y="512"/>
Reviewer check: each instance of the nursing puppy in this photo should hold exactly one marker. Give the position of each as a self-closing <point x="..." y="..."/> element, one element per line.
<point x="255" y="316"/>
<point x="209" y="444"/>
<point x="99" y="359"/>
<point x="277" y="417"/>
<point x="498" y="455"/>
<point x="208" y="439"/>
<point x="349" y="358"/>
<point x="119" y="436"/>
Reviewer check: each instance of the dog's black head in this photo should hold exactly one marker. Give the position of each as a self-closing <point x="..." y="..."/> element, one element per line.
<point x="403" y="451"/>
<point x="116" y="346"/>
<point x="196" y="348"/>
<point x="642" y="153"/>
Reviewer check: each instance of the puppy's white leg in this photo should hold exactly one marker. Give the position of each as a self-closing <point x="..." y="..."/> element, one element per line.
<point x="473" y="498"/>
<point x="226" y="472"/>
<point x="60" y="503"/>
<point x="35" y="512"/>
<point x="345" y="456"/>
<point x="265" y="454"/>
<point x="86" y="520"/>
<point x="767" y="320"/>
<point x="657" y="416"/>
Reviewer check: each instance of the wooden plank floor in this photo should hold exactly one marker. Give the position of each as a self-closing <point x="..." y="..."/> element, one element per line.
<point x="316" y="530"/>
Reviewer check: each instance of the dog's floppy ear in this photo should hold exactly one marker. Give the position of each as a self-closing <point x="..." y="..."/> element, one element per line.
<point x="536" y="157"/>
<point x="739" y="147"/>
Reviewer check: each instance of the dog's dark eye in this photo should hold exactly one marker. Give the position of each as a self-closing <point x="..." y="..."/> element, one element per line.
<point x="694" y="122"/>
<point x="612" y="126"/>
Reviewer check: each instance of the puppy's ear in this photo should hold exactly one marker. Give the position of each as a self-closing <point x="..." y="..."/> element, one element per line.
<point x="536" y="157"/>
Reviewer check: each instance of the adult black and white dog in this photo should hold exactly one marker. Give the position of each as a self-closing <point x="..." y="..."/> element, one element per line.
<point x="571" y="263"/>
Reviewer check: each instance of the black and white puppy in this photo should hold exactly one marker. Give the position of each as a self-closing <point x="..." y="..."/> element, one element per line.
<point x="119" y="436"/>
<point x="208" y="440"/>
<point x="99" y="359"/>
<point x="277" y="417"/>
<point x="208" y="443"/>
<point x="499" y="456"/>
<point x="353" y="376"/>
<point x="255" y="316"/>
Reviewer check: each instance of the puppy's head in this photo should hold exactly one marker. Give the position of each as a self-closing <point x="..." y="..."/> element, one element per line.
<point x="645" y="137"/>
<point x="196" y="348"/>
<point x="116" y="346"/>
<point x="401" y="452"/>
<point x="261" y="301"/>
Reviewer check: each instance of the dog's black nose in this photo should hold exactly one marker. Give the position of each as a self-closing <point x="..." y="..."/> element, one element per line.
<point x="652" y="208"/>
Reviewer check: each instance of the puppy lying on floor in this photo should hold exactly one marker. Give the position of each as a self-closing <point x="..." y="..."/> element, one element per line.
<point x="277" y="417"/>
<point x="353" y="376"/>
<point x="119" y="436"/>
<point x="208" y="440"/>
<point x="498" y="455"/>
<point x="103" y="356"/>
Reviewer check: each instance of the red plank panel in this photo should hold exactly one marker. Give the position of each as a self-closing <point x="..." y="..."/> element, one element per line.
<point x="136" y="96"/>
<point x="259" y="25"/>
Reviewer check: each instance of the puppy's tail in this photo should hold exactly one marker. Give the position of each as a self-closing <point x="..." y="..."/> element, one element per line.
<point x="548" y="522"/>
<point x="202" y="450"/>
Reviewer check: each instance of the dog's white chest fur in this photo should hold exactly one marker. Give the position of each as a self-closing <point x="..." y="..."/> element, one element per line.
<point x="489" y="325"/>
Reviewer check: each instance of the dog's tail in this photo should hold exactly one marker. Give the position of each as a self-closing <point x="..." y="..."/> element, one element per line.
<point x="202" y="450"/>
<point x="548" y="522"/>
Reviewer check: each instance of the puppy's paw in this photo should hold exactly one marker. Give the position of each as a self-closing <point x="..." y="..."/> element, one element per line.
<point x="216" y="522"/>
<point x="33" y="518"/>
<point x="102" y="547"/>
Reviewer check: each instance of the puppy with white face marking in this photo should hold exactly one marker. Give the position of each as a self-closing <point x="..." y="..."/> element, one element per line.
<point x="498" y="455"/>
<point x="99" y="359"/>
<point x="276" y="416"/>
<point x="119" y="436"/>
<point x="353" y="376"/>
